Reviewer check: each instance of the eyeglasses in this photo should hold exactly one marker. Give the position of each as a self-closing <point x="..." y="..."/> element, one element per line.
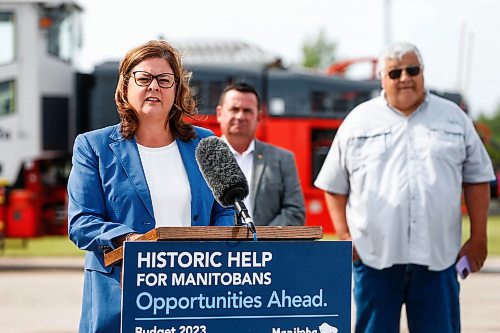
<point x="144" y="79"/>
<point x="396" y="73"/>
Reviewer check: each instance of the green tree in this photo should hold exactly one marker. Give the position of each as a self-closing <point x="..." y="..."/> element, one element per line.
<point x="318" y="51"/>
<point x="493" y="123"/>
<point x="491" y="136"/>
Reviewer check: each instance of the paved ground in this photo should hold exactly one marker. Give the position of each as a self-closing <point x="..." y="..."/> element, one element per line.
<point x="44" y="296"/>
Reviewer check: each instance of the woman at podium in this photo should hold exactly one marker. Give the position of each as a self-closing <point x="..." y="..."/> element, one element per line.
<point x="137" y="175"/>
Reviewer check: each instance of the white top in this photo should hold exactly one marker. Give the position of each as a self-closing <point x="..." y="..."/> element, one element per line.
<point x="168" y="185"/>
<point x="245" y="162"/>
<point x="404" y="179"/>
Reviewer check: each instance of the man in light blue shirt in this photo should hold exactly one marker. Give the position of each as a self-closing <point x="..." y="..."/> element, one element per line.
<point x="393" y="182"/>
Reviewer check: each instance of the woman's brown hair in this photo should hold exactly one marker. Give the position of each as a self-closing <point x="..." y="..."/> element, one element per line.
<point x="184" y="103"/>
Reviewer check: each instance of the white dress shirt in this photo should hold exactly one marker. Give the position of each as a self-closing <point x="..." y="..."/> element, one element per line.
<point x="245" y="162"/>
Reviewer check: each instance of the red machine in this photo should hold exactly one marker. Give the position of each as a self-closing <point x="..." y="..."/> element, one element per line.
<point x="342" y="68"/>
<point x="39" y="207"/>
<point x="2" y="217"/>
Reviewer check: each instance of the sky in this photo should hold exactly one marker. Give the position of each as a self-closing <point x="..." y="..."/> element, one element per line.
<point x="458" y="39"/>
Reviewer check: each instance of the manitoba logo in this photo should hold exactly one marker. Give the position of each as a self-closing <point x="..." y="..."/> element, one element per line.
<point x="325" y="328"/>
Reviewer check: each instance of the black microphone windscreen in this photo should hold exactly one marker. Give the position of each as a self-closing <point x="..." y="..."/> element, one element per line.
<point x="221" y="171"/>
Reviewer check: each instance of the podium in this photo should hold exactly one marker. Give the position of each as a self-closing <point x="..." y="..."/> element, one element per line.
<point x="236" y="233"/>
<point x="218" y="279"/>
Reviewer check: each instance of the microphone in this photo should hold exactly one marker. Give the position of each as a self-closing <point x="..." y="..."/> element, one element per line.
<point x="224" y="176"/>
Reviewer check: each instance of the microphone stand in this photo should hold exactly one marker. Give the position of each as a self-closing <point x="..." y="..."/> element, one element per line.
<point x="243" y="217"/>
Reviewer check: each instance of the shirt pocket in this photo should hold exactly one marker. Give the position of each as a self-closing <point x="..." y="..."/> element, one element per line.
<point x="365" y="147"/>
<point x="448" y="143"/>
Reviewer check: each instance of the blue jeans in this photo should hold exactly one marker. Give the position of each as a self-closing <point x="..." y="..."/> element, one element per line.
<point x="431" y="299"/>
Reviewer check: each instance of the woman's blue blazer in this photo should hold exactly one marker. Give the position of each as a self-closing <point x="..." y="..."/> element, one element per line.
<point x="108" y="196"/>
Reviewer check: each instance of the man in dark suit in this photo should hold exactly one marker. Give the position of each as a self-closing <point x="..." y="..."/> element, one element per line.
<point x="276" y="197"/>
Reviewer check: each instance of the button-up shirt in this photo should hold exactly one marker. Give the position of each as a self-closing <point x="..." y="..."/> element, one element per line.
<point x="245" y="162"/>
<point x="403" y="176"/>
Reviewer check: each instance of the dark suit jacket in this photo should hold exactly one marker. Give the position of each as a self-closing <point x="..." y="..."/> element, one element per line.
<point x="109" y="197"/>
<point x="277" y="195"/>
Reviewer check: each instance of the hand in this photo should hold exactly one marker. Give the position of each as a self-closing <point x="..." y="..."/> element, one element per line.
<point x="355" y="255"/>
<point x="128" y="237"/>
<point x="476" y="251"/>
<point x="133" y="236"/>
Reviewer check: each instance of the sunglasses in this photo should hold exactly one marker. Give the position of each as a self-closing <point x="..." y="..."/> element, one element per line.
<point x="411" y="71"/>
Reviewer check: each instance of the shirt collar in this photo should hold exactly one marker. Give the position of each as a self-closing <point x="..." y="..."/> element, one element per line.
<point x="250" y="149"/>
<point x="420" y="107"/>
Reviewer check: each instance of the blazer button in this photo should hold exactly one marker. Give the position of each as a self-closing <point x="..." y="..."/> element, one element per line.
<point x="195" y="217"/>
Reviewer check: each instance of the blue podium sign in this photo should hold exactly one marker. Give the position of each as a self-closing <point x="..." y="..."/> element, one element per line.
<point x="216" y="287"/>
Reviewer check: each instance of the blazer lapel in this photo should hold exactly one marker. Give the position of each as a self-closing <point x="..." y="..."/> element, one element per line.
<point x="259" y="164"/>
<point x="126" y="152"/>
<point x="187" y="151"/>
